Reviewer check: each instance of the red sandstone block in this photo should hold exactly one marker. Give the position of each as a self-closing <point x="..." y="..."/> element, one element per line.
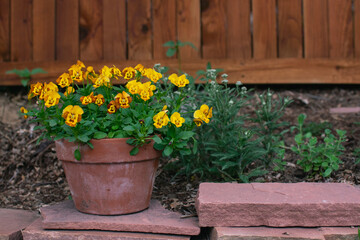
<point x="340" y="233"/>
<point x="36" y="232"/>
<point x="155" y="219"/>
<point x="278" y="204"/>
<point x="344" y="110"/>
<point x="12" y="221"/>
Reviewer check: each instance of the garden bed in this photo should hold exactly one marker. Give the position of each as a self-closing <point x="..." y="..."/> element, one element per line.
<point x="31" y="176"/>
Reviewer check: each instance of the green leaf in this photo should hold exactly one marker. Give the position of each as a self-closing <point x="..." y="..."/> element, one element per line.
<point x="90" y="145"/>
<point x="119" y="134"/>
<point x="195" y="147"/>
<point x="37" y="70"/>
<point x="129" y="128"/>
<point x="186" y="135"/>
<point x="83" y="138"/>
<point x="168" y="150"/>
<point x="170" y="52"/>
<point x="169" y="44"/>
<point x="131" y="141"/>
<point x="52" y="122"/>
<point x="99" y="135"/>
<point x="191" y="45"/>
<point x="24" y="82"/>
<point x="298" y="139"/>
<point x="185" y="152"/>
<point x="134" y="151"/>
<point x="157" y="139"/>
<point x="327" y="172"/>
<point x="77" y="154"/>
<point x="111" y="134"/>
<point x="301" y="119"/>
<point x="159" y="147"/>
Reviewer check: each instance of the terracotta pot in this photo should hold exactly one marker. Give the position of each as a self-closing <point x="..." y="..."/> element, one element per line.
<point x="107" y="180"/>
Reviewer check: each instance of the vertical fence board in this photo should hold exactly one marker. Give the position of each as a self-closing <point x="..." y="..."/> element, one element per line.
<point x="67" y="29"/>
<point x="43" y="30"/>
<point x="188" y="27"/>
<point x="341" y="29"/>
<point x="4" y="30"/>
<point x="316" y="34"/>
<point x="357" y="27"/>
<point x="164" y="23"/>
<point x="238" y="33"/>
<point x="114" y="16"/>
<point x="213" y="28"/>
<point x="21" y="30"/>
<point x="290" y="41"/>
<point x="139" y="30"/>
<point x="91" y="30"/>
<point x="264" y="25"/>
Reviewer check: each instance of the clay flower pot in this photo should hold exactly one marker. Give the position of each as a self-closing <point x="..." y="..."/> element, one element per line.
<point x="107" y="180"/>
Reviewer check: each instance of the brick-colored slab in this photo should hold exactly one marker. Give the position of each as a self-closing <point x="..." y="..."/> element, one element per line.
<point x="265" y="233"/>
<point x="340" y="233"/>
<point x="155" y="219"/>
<point x="36" y="232"/>
<point x="278" y="204"/>
<point x="345" y="110"/>
<point x="12" y="221"/>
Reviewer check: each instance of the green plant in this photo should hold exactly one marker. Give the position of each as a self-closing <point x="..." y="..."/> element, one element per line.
<point x="322" y="157"/>
<point x="316" y="129"/>
<point x="357" y="155"/>
<point x="25" y="74"/>
<point x="174" y="48"/>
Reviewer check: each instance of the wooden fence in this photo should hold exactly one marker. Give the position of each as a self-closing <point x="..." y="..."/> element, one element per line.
<point x="255" y="41"/>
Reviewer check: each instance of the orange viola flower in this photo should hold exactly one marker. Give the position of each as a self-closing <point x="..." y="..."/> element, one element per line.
<point x="24" y="110"/>
<point x="64" y="80"/>
<point x="99" y="99"/>
<point x="72" y="115"/>
<point x="35" y="90"/>
<point x="112" y="107"/>
<point x="123" y="99"/>
<point x="85" y="100"/>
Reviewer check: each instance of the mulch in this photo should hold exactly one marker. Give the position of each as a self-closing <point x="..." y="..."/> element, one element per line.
<point x="31" y="176"/>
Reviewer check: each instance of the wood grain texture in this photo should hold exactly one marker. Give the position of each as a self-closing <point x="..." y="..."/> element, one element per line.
<point x="139" y="30"/>
<point x="357" y="28"/>
<point x="164" y="26"/>
<point x="264" y="71"/>
<point x="189" y="27"/>
<point x="21" y="30"/>
<point x="43" y="30"/>
<point x="67" y="30"/>
<point x="290" y="42"/>
<point x="341" y="37"/>
<point x="316" y="25"/>
<point x="114" y="17"/>
<point x="4" y="30"/>
<point x="238" y="33"/>
<point x="91" y="30"/>
<point x="264" y="25"/>
<point x="213" y="28"/>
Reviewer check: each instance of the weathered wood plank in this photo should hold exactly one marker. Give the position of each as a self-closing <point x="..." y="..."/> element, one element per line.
<point x="189" y="27"/>
<point x="357" y="28"/>
<point x="341" y="36"/>
<point x="316" y="25"/>
<point x="21" y="30"/>
<point x="114" y="16"/>
<point x="164" y="26"/>
<point x="290" y="29"/>
<point x="213" y="29"/>
<point x="43" y="30"/>
<point x="139" y="29"/>
<point x="238" y="34"/>
<point x="67" y="29"/>
<point x="265" y="71"/>
<point x="264" y="36"/>
<point x="91" y="30"/>
<point x="4" y="30"/>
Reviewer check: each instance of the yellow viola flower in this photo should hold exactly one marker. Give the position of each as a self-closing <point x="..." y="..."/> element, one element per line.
<point x="99" y="99"/>
<point x="161" y="119"/>
<point x="115" y="72"/>
<point x="202" y="115"/>
<point x="72" y="115"/>
<point x="35" y="90"/>
<point x="69" y="90"/>
<point x="176" y="119"/>
<point x="181" y="81"/>
<point x="85" y="100"/>
<point x="123" y="99"/>
<point x="140" y="68"/>
<point x="173" y="78"/>
<point x="146" y="91"/>
<point x="133" y="86"/>
<point x="90" y="74"/>
<point x="24" y="110"/>
<point x="128" y="73"/>
<point x="112" y="107"/>
<point x="153" y="75"/>
<point x="106" y="72"/>
<point x="48" y="87"/>
<point x="80" y="64"/>
<point x="51" y="98"/>
<point x="75" y="71"/>
<point x="64" y="80"/>
<point x="206" y="110"/>
<point x="198" y="122"/>
<point x="102" y="80"/>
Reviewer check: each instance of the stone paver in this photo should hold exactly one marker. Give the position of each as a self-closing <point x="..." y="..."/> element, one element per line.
<point x="340" y="233"/>
<point x="12" y="221"/>
<point x="155" y="219"/>
<point x="278" y="204"/>
<point x="344" y="110"/>
<point x="36" y="232"/>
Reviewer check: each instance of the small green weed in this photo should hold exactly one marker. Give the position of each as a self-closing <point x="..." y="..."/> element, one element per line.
<point x="174" y="48"/>
<point x="316" y="129"/>
<point x="25" y="74"/>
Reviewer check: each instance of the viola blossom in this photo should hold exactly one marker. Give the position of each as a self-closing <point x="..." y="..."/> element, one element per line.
<point x="106" y="72"/>
<point x="128" y="73"/>
<point x="115" y="72"/>
<point x="161" y="119"/>
<point x="123" y="99"/>
<point x="102" y="80"/>
<point x="75" y="71"/>
<point x="181" y="81"/>
<point x="146" y="91"/>
<point x="51" y="98"/>
<point x="202" y="115"/>
<point x="69" y="90"/>
<point x="35" y="90"/>
<point x="133" y="86"/>
<point x="48" y="87"/>
<point x="85" y="100"/>
<point x="112" y="107"/>
<point x="90" y="74"/>
<point x="72" y="115"/>
<point x="176" y="119"/>
<point x="99" y="99"/>
<point x="140" y="68"/>
<point x="24" y="111"/>
<point x="153" y="75"/>
<point x="64" y="80"/>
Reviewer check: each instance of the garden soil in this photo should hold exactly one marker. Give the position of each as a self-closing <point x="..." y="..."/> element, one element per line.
<point x="32" y="177"/>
